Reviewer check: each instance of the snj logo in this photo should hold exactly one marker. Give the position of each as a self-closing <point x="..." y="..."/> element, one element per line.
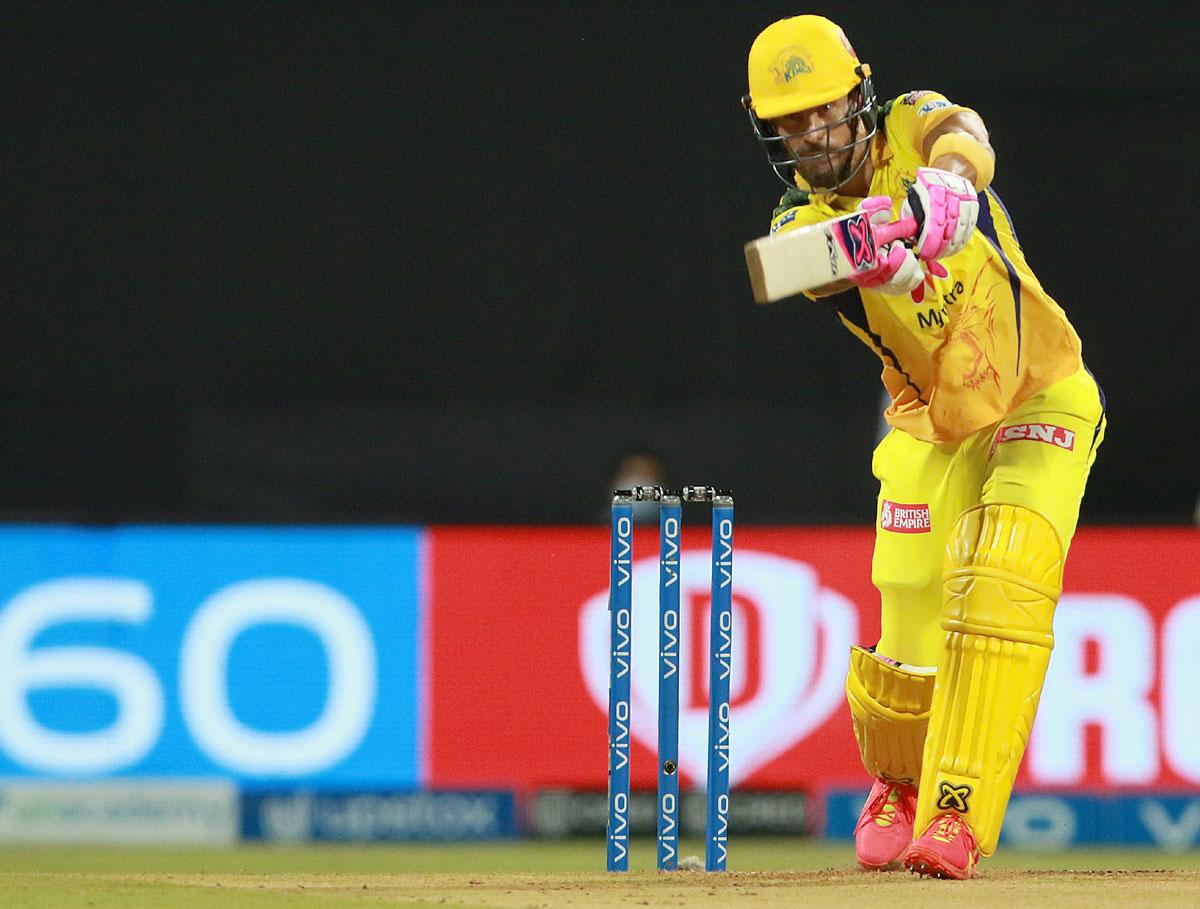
<point x="1034" y="432"/>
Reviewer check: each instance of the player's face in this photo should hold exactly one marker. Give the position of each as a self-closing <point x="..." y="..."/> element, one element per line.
<point x="818" y="139"/>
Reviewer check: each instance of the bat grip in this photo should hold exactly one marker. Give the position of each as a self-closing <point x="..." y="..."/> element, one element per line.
<point x="903" y="229"/>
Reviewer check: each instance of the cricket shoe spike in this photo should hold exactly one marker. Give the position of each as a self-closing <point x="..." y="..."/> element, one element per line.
<point x="946" y="850"/>
<point x="885" y="827"/>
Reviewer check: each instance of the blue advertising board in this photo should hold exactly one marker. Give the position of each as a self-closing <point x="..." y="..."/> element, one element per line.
<point x="266" y="656"/>
<point x="439" y="815"/>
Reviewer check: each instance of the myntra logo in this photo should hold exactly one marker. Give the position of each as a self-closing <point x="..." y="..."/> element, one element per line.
<point x="1035" y="432"/>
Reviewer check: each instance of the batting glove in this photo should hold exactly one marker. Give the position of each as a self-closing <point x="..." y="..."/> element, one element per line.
<point x="896" y="269"/>
<point x="949" y="207"/>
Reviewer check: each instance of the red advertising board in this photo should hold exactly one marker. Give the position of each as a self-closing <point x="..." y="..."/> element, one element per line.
<point x="517" y="661"/>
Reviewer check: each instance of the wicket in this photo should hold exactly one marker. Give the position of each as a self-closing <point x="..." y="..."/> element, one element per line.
<point x="620" y="666"/>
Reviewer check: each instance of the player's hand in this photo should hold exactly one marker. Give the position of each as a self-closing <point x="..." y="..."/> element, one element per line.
<point x="896" y="269"/>
<point x="949" y="208"/>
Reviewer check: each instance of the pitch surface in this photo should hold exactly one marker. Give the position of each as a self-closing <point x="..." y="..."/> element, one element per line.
<point x="770" y="873"/>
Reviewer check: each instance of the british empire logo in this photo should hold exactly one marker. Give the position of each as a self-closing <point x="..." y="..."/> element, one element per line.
<point x="900" y="518"/>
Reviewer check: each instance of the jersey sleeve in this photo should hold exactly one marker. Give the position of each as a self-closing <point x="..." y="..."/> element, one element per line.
<point x="912" y="116"/>
<point x="795" y="210"/>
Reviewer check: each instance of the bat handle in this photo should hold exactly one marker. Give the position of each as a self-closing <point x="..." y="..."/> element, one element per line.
<point x="904" y="229"/>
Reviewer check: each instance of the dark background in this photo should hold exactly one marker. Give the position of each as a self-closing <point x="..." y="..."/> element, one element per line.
<point x="442" y="262"/>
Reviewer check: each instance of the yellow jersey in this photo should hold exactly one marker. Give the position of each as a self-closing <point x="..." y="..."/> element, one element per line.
<point x="961" y="351"/>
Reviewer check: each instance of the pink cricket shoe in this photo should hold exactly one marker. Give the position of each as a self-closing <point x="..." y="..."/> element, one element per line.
<point x="885" y="827"/>
<point x="947" y="849"/>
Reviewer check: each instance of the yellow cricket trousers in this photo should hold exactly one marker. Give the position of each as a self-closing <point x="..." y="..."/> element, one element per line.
<point x="1038" y="456"/>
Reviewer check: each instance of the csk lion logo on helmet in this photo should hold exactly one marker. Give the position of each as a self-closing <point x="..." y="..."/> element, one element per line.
<point x="789" y="63"/>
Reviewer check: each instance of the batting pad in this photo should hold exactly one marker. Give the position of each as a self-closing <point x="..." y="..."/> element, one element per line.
<point x="889" y="704"/>
<point x="1002" y="580"/>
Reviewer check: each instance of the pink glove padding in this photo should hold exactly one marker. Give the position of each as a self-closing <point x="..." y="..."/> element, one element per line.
<point x="896" y="269"/>
<point x="951" y="209"/>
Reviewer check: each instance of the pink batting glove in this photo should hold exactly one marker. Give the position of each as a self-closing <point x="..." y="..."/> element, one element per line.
<point x="950" y="207"/>
<point x="896" y="269"/>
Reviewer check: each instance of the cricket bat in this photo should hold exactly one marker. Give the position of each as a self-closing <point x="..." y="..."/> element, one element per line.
<point x="820" y="254"/>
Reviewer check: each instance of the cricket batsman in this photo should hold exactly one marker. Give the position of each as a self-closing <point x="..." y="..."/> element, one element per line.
<point x="994" y="423"/>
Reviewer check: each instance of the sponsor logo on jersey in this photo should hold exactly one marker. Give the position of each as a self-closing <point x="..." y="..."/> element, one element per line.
<point x="900" y="518"/>
<point x="790" y="63"/>
<point x="913" y="97"/>
<point x="934" y="315"/>
<point x="929" y="106"/>
<point x="1035" y="432"/>
<point x="787" y="218"/>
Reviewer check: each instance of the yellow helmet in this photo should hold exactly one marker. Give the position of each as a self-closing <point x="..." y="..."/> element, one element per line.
<point x="799" y="63"/>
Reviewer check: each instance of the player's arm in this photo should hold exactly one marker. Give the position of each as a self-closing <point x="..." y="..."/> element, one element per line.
<point x="967" y="152"/>
<point x="961" y="163"/>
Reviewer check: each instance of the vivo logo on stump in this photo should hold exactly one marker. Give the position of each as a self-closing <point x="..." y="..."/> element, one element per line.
<point x="725" y="553"/>
<point x="787" y="665"/>
<point x="623" y="550"/>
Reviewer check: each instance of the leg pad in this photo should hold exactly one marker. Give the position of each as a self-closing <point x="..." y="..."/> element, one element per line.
<point x="1002" y="581"/>
<point x="889" y="703"/>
